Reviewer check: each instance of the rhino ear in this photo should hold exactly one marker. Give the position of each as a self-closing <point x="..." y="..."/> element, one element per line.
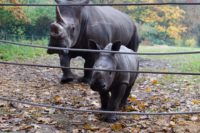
<point x="93" y="45"/>
<point x="116" y="46"/>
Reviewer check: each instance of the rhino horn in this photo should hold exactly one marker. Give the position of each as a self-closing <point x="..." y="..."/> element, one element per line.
<point x="56" y="30"/>
<point x="59" y="17"/>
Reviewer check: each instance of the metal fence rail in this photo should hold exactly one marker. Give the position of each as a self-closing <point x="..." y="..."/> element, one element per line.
<point x="97" y="111"/>
<point x="115" y="4"/>
<point x="97" y="51"/>
<point x="92" y="69"/>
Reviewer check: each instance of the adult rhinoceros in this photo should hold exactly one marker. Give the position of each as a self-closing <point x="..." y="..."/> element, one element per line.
<point x="76" y="25"/>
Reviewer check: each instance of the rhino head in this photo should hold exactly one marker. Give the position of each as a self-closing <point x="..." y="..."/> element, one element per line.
<point x="64" y="32"/>
<point x="102" y="80"/>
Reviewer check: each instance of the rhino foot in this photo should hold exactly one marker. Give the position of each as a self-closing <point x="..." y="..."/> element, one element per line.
<point x="110" y="118"/>
<point x="67" y="78"/>
<point x="84" y="80"/>
<point x="124" y="105"/>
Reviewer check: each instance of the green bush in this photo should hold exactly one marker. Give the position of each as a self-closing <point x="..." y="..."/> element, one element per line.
<point x="187" y="42"/>
<point x="191" y="42"/>
<point x="149" y="34"/>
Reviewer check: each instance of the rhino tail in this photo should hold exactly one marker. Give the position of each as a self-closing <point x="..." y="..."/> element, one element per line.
<point x="135" y="41"/>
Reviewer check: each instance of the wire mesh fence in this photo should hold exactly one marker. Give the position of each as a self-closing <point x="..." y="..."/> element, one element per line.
<point x="19" y="38"/>
<point x="12" y="40"/>
<point x="98" y="51"/>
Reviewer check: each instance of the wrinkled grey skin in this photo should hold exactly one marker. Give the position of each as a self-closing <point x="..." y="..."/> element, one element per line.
<point x="75" y="26"/>
<point x="114" y="87"/>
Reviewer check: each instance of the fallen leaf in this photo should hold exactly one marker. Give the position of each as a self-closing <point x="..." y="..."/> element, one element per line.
<point x="131" y="108"/>
<point x="136" y="117"/>
<point x="142" y="105"/>
<point x="44" y="120"/>
<point x="117" y="127"/>
<point x="75" y="131"/>
<point x="127" y="130"/>
<point x="172" y="123"/>
<point x="3" y="104"/>
<point x="195" y="101"/>
<point x="194" y="118"/>
<point x="135" y="130"/>
<point x="26" y="127"/>
<point x="49" y="111"/>
<point x="58" y="99"/>
<point x="155" y="98"/>
<point x="189" y="127"/>
<point x="148" y="90"/>
<point x="90" y="127"/>
<point x="25" y="115"/>
<point x="154" y="82"/>
<point x="35" y="126"/>
<point x="104" y="130"/>
<point x="95" y="103"/>
<point x="92" y="117"/>
<point x="5" y="127"/>
<point x="132" y="99"/>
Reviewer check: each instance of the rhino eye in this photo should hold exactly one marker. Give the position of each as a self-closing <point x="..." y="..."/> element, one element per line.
<point x="73" y="29"/>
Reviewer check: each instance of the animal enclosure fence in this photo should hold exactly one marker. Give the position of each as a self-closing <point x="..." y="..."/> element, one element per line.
<point x="13" y="37"/>
<point x="97" y="51"/>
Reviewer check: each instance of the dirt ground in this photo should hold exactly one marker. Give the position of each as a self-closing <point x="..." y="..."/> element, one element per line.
<point x="151" y="93"/>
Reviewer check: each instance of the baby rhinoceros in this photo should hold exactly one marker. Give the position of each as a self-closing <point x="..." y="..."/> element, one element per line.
<point x="113" y="87"/>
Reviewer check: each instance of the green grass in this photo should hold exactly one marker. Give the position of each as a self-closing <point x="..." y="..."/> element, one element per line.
<point x="10" y="52"/>
<point x="181" y="63"/>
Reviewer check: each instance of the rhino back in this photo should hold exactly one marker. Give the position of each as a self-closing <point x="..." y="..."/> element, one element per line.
<point x="126" y="62"/>
<point x="106" y="24"/>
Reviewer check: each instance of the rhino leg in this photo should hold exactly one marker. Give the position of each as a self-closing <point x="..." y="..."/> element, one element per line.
<point x="68" y="76"/>
<point x="89" y="62"/>
<point x="104" y="96"/>
<point x="127" y="93"/>
<point x="124" y="99"/>
<point x="114" y="102"/>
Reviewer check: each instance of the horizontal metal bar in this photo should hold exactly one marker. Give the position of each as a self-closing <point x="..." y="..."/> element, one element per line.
<point x="115" y="4"/>
<point x="98" y="51"/>
<point x="92" y="69"/>
<point x="97" y="111"/>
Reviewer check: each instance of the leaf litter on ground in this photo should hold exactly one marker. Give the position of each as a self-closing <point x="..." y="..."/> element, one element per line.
<point x="151" y="93"/>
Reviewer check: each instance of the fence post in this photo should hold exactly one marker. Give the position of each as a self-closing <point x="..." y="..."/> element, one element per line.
<point x="5" y="38"/>
<point x="1" y="36"/>
<point x="31" y="39"/>
<point x="13" y="38"/>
